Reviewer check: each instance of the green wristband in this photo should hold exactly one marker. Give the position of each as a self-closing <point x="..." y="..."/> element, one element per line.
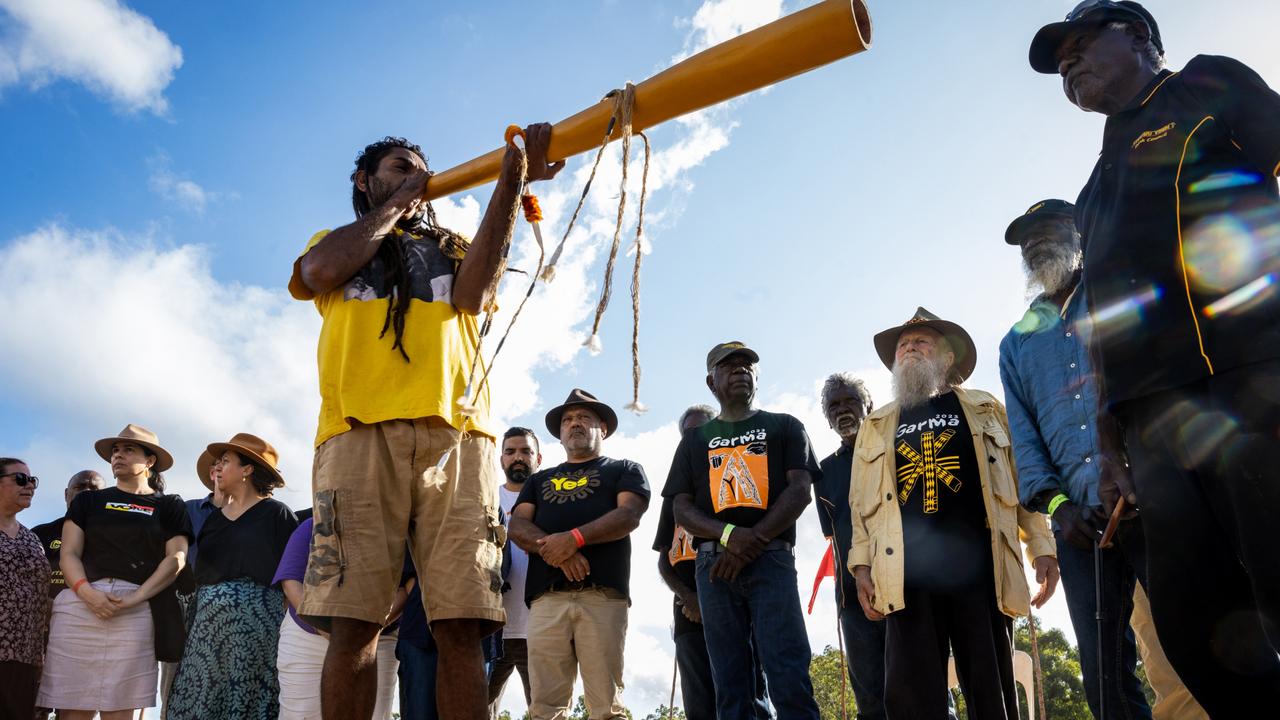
<point x="1056" y="502"/>
<point x="724" y="536"/>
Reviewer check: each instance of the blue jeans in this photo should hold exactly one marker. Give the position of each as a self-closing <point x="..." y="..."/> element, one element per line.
<point x="697" y="686"/>
<point x="1121" y="568"/>
<point x="417" y="681"/>
<point x="864" y="653"/>
<point x="761" y="606"/>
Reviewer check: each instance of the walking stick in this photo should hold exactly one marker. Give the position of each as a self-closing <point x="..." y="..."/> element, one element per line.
<point x="671" y="704"/>
<point x="1101" y="621"/>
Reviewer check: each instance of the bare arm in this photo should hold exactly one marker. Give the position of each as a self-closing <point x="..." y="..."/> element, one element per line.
<point x="73" y="572"/>
<point x="175" y="549"/>
<point x="613" y="525"/>
<point x="476" y="282"/>
<point x="522" y="530"/>
<point x="292" y="593"/>
<point x="790" y="504"/>
<point x="341" y="253"/>
<point x="692" y="518"/>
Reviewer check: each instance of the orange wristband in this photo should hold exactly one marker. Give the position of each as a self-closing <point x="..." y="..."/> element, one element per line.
<point x="577" y="536"/>
<point x="76" y="588"/>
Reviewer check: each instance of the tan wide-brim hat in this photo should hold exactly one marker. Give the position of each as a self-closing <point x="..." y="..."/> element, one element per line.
<point x="253" y="446"/>
<point x="203" y="465"/>
<point x="137" y="435"/>
<point x="886" y="342"/>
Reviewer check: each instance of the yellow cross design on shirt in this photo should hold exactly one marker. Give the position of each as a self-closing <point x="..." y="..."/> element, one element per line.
<point x="926" y="463"/>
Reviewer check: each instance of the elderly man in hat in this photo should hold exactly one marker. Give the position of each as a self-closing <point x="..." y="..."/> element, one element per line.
<point x="575" y="521"/>
<point x="1052" y="403"/>
<point x="1178" y="222"/>
<point x="738" y="484"/>
<point x="936" y="528"/>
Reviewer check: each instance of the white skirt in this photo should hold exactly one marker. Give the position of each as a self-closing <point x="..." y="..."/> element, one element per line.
<point x="300" y="660"/>
<point x="96" y="664"/>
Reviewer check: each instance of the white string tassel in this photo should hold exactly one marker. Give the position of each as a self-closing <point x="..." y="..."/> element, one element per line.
<point x="467" y="404"/>
<point x="593" y="344"/>
<point x="636" y="407"/>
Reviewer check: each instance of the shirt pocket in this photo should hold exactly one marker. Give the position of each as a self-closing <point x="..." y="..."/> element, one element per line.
<point x="1000" y="475"/>
<point x="865" y="492"/>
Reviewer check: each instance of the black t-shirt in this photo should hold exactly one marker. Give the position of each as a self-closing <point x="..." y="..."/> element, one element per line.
<point x="835" y="518"/>
<point x="679" y="547"/>
<point x="573" y="494"/>
<point x="1176" y="224"/>
<point x="248" y="547"/>
<point x="735" y="471"/>
<point x="944" y="523"/>
<point x="50" y="535"/>
<point x="124" y="534"/>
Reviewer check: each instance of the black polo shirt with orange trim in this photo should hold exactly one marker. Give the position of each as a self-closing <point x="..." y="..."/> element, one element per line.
<point x="1180" y="225"/>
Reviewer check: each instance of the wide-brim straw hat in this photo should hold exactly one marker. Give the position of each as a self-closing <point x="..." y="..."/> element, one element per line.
<point x="253" y="446"/>
<point x="140" y="436"/>
<point x="580" y="397"/>
<point x="966" y="352"/>
<point x="203" y="465"/>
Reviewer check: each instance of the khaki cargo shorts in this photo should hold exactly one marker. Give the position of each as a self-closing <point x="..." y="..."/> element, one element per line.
<point x="378" y="486"/>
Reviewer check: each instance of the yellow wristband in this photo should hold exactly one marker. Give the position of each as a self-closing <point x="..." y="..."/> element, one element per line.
<point x="724" y="536"/>
<point x="1056" y="502"/>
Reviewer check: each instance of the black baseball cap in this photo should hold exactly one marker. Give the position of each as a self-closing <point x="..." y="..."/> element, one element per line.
<point x="1044" y="47"/>
<point x="1042" y="210"/>
<point x="725" y="349"/>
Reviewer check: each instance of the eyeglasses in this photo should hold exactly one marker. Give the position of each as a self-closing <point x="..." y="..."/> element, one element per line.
<point x="21" y="479"/>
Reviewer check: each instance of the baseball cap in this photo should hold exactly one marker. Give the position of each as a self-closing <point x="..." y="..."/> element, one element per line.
<point x="725" y="349"/>
<point x="1044" y="47"/>
<point x="1040" y="211"/>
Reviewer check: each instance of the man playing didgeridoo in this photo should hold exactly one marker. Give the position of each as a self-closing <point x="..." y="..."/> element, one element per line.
<point x="395" y="456"/>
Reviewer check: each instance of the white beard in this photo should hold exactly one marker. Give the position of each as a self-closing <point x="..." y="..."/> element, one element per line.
<point x="1054" y="271"/>
<point x="915" y="382"/>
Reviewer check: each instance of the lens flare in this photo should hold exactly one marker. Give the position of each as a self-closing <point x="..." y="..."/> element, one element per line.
<point x="1243" y="299"/>
<point x="1225" y="180"/>
<point x="1221" y="254"/>
<point x="1125" y="314"/>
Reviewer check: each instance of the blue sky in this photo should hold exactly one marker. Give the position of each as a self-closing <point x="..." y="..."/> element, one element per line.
<point x="153" y="207"/>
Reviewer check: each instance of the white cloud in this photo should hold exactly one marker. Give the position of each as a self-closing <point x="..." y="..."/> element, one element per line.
<point x="177" y="189"/>
<point x="718" y="20"/>
<point x="102" y="44"/>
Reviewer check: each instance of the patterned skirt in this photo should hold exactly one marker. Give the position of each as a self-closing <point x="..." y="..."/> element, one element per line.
<point x="228" y="670"/>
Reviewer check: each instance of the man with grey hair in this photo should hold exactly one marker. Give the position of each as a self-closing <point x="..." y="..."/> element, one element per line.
<point x="845" y="402"/>
<point x="1052" y="404"/>
<point x="937" y="526"/>
<point x="1178" y="222"/>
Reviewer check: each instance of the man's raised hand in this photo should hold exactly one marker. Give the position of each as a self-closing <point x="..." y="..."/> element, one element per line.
<point x="537" y="137"/>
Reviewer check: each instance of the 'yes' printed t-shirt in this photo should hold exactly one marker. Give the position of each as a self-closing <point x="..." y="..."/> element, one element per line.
<point x="735" y="471"/>
<point x="125" y="534"/>
<point x="362" y="378"/>
<point x="944" y="523"/>
<point x="50" y="535"/>
<point x="573" y="494"/>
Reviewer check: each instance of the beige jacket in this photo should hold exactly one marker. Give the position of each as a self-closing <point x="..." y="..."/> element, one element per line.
<point x="877" y="518"/>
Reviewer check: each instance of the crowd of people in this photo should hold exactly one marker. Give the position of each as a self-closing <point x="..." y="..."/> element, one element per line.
<point x="1140" y="386"/>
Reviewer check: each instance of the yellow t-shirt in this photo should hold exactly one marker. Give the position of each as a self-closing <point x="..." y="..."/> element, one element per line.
<point x="362" y="378"/>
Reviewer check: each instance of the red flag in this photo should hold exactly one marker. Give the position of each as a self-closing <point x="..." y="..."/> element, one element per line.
<point x="826" y="568"/>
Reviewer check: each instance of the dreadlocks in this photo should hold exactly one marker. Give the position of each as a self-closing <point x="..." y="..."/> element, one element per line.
<point x="391" y="250"/>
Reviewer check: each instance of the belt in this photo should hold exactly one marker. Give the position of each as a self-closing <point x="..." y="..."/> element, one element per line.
<point x="713" y="546"/>
<point x="570" y="585"/>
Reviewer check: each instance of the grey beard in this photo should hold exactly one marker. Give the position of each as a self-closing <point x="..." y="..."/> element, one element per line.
<point x="1054" y="272"/>
<point x="915" y="383"/>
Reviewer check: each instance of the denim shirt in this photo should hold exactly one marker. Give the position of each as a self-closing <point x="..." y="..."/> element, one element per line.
<point x="1052" y="402"/>
<point x="198" y="511"/>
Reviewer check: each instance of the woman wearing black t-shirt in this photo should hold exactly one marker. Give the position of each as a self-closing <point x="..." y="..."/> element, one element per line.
<point x="122" y="547"/>
<point x="229" y="668"/>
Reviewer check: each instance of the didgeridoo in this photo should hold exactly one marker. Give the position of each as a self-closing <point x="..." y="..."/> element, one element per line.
<point x="791" y="45"/>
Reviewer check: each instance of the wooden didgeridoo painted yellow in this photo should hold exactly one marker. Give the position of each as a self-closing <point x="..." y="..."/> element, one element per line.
<point x="788" y="46"/>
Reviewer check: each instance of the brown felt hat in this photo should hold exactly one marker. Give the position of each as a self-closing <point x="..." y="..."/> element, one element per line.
<point x="580" y="397"/>
<point x="140" y="436"/>
<point x="886" y="341"/>
<point x="203" y="465"/>
<point x="255" y="447"/>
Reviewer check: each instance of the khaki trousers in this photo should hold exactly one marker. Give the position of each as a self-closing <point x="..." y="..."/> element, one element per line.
<point x="1173" y="700"/>
<point x="572" y="631"/>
